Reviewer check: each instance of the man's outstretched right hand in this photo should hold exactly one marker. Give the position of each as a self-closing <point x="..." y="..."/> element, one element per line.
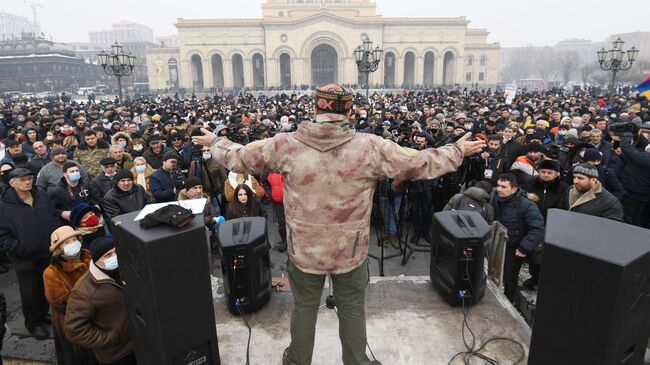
<point x="471" y="147"/>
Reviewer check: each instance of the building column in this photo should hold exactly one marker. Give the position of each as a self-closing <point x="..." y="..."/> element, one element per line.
<point x="227" y="73"/>
<point x="248" y="72"/>
<point x="208" y="82"/>
<point x="299" y="71"/>
<point x="271" y="66"/>
<point x="419" y="70"/>
<point x="184" y="74"/>
<point x="460" y="70"/>
<point x="438" y="70"/>
<point x="399" y="70"/>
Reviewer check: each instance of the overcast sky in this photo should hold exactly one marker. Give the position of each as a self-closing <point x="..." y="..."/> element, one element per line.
<point x="512" y="23"/>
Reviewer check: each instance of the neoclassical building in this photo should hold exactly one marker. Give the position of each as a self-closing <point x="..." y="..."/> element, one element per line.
<point x="308" y="42"/>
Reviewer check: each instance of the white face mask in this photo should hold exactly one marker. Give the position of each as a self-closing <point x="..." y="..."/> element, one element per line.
<point x="111" y="263"/>
<point x="49" y="138"/>
<point x="72" y="249"/>
<point x="137" y="147"/>
<point x="207" y="156"/>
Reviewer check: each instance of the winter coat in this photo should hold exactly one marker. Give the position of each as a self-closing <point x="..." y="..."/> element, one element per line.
<point x="329" y="232"/>
<point x="212" y="175"/>
<point x="155" y="160"/>
<point x="100" y="185"/>
<point x="230" y="185"/>
<point x="636" y="173"/>
<point x="117" y="202"/>
<point x="477" y="194"/>
<point x="96" y="316"/>
<point x="89" y="158"/>
<point x="525" y="170"/>
<point x="276" y="181"/>
<point x="522" y="219"/>
<point x="51" y="174"/>
<point x="548" y="195"/>
<point x="65" y="197"/>
<point x="36" y="163"/>
<point x="511" y="150"/>
<point x="597" y="202"/>
<point x="24" y="230"/>
<point x="497" y="163"/>
<point x="162" y="185"/>
<point x="58" y="281"/>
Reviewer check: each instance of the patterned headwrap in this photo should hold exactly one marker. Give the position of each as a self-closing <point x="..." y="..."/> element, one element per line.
<point x="333" y="98"/>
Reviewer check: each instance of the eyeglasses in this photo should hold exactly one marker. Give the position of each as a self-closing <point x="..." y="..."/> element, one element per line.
<point x="177" y="139"/>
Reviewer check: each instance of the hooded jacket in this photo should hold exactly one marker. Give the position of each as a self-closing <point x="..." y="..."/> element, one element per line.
<point x="330" y="174"/>
<point x="477" y="194"/>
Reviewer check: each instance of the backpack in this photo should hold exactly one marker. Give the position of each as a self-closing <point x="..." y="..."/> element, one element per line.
<point x="472" y="205"/>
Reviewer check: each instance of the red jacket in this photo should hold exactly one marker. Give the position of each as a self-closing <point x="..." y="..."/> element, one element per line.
<point x="276" y="180"/>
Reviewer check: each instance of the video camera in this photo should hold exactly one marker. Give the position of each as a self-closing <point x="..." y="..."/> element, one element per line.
<point x="623" y="127"/>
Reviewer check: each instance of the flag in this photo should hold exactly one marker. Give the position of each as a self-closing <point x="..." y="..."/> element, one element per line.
<point x="644" y="88"/>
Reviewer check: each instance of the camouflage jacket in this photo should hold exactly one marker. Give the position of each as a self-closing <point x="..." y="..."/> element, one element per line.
<point x="89" y="158"/>
<point x="330" y="173"/>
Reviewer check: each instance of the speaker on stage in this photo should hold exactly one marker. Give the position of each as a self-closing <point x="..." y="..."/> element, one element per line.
<point x="593" y="301"/>
<point x="245" y="263"/>
<point x="458" y="256"/>
<point x="168" y="292"/>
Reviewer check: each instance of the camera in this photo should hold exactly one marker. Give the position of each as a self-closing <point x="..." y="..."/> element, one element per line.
<point x="623" y="127"/>
<point x="178" y="176"/>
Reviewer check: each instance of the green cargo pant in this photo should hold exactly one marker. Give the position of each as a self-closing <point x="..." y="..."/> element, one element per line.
<point x="350" y="296"/>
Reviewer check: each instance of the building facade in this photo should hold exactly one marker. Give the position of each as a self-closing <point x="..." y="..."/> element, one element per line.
<point x="12" y="26"/>
<point x="36" y="64"/>
<point x="122" y="32"/>
<point x="310" y="42"/>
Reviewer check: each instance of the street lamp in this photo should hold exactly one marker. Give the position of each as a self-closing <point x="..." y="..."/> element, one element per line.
<point x="616" y="59"/>
<point x="117" y="64"/>
<point x="367" y="60"/>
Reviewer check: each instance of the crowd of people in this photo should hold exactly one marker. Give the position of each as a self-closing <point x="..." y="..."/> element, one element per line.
<point x="67" y="168"/>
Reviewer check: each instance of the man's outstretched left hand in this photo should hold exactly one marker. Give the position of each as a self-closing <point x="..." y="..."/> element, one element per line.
<point x="205" y="139"/>
<point x="471" y="147"/>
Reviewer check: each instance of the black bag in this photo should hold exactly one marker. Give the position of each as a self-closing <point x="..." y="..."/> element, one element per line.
<point x="172" y="215"/>
<point x="472" y="205"/>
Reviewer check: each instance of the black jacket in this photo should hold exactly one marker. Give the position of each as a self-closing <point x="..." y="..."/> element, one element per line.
<point x="36" y="163"/>
<point x="522" y="219"/>
<point x="25" y="231"/>
<point x="636" y="173"/>
<point x="548" y="195"/>
<point x="100" y="185"/>
<point x="117" y="202"/>
<point x="65" y="198"/>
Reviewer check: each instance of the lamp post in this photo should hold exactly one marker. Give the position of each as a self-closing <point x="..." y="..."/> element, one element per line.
<point x="616" y="59"/>
<point x="117" y="64"/>
<point x="367" y="60"/>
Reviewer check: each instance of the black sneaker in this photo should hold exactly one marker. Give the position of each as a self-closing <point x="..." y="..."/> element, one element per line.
<point x="530" y="284"/>
<point x="47" y="318"/>
<point x="39" y="332"/>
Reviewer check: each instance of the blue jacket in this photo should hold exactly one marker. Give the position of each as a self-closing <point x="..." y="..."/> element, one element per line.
<point x="162" y="186"/>
<point x="522" y="219"/>
<point x="25" y="231"/>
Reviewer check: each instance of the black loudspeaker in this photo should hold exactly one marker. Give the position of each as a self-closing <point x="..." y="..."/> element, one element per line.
<point x="593" y="301"/>
<point x="245" y="263"/>
<point x="168" y="292"/>
<point x="458" y="256"/>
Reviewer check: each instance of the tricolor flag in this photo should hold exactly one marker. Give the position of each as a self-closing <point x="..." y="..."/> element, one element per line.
<point x="644" y="88"/>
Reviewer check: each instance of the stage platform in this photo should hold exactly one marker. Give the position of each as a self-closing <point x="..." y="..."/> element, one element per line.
<point x="407" y="322"/>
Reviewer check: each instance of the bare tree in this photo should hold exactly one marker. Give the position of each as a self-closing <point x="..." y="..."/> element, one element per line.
<point x="586" y="71"/>
<point x="567" y="64"/>
<point x="543" y="62"/>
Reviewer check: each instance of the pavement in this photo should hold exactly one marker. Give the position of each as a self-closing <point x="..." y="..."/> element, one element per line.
<point x="408" y="322"/>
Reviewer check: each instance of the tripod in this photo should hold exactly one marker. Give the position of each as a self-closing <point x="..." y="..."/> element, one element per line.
<point x="409" y="248"/>
<point x="330" y="303"/>
<point x="378" y="212"/>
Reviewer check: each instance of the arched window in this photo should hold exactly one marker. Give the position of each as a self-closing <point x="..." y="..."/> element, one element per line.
<point x="285" y="71"/>
<point x="389" y="69"/>
<point x="197" y="72"/>
<point x="470" y="60"/>
<point x="429" y="58"/>
<point x="237" y="70"/>
<point x="483" y="60"/>
<point x="217" y="71"/>
<point x="409" y="68"/>
<point x="258" y="71"/>
<point x="324" y="65"/>
<point x="172" y="64"/>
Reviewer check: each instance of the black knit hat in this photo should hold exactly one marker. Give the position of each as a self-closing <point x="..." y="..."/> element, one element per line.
<point x="100" y="246"/>
<point x="123" y="174"/>
<point x="170" y="155"/>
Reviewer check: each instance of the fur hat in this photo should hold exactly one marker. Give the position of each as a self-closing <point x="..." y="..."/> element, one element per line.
<point x="549" y="165"/>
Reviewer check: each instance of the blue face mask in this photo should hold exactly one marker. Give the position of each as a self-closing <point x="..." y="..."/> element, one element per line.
<point x="140" y="169"/>
<point x="74" y="176"/>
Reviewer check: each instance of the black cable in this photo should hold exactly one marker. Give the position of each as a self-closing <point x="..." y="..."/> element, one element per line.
<point x="471" y="351"/>
<point x="241" y="313"/>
